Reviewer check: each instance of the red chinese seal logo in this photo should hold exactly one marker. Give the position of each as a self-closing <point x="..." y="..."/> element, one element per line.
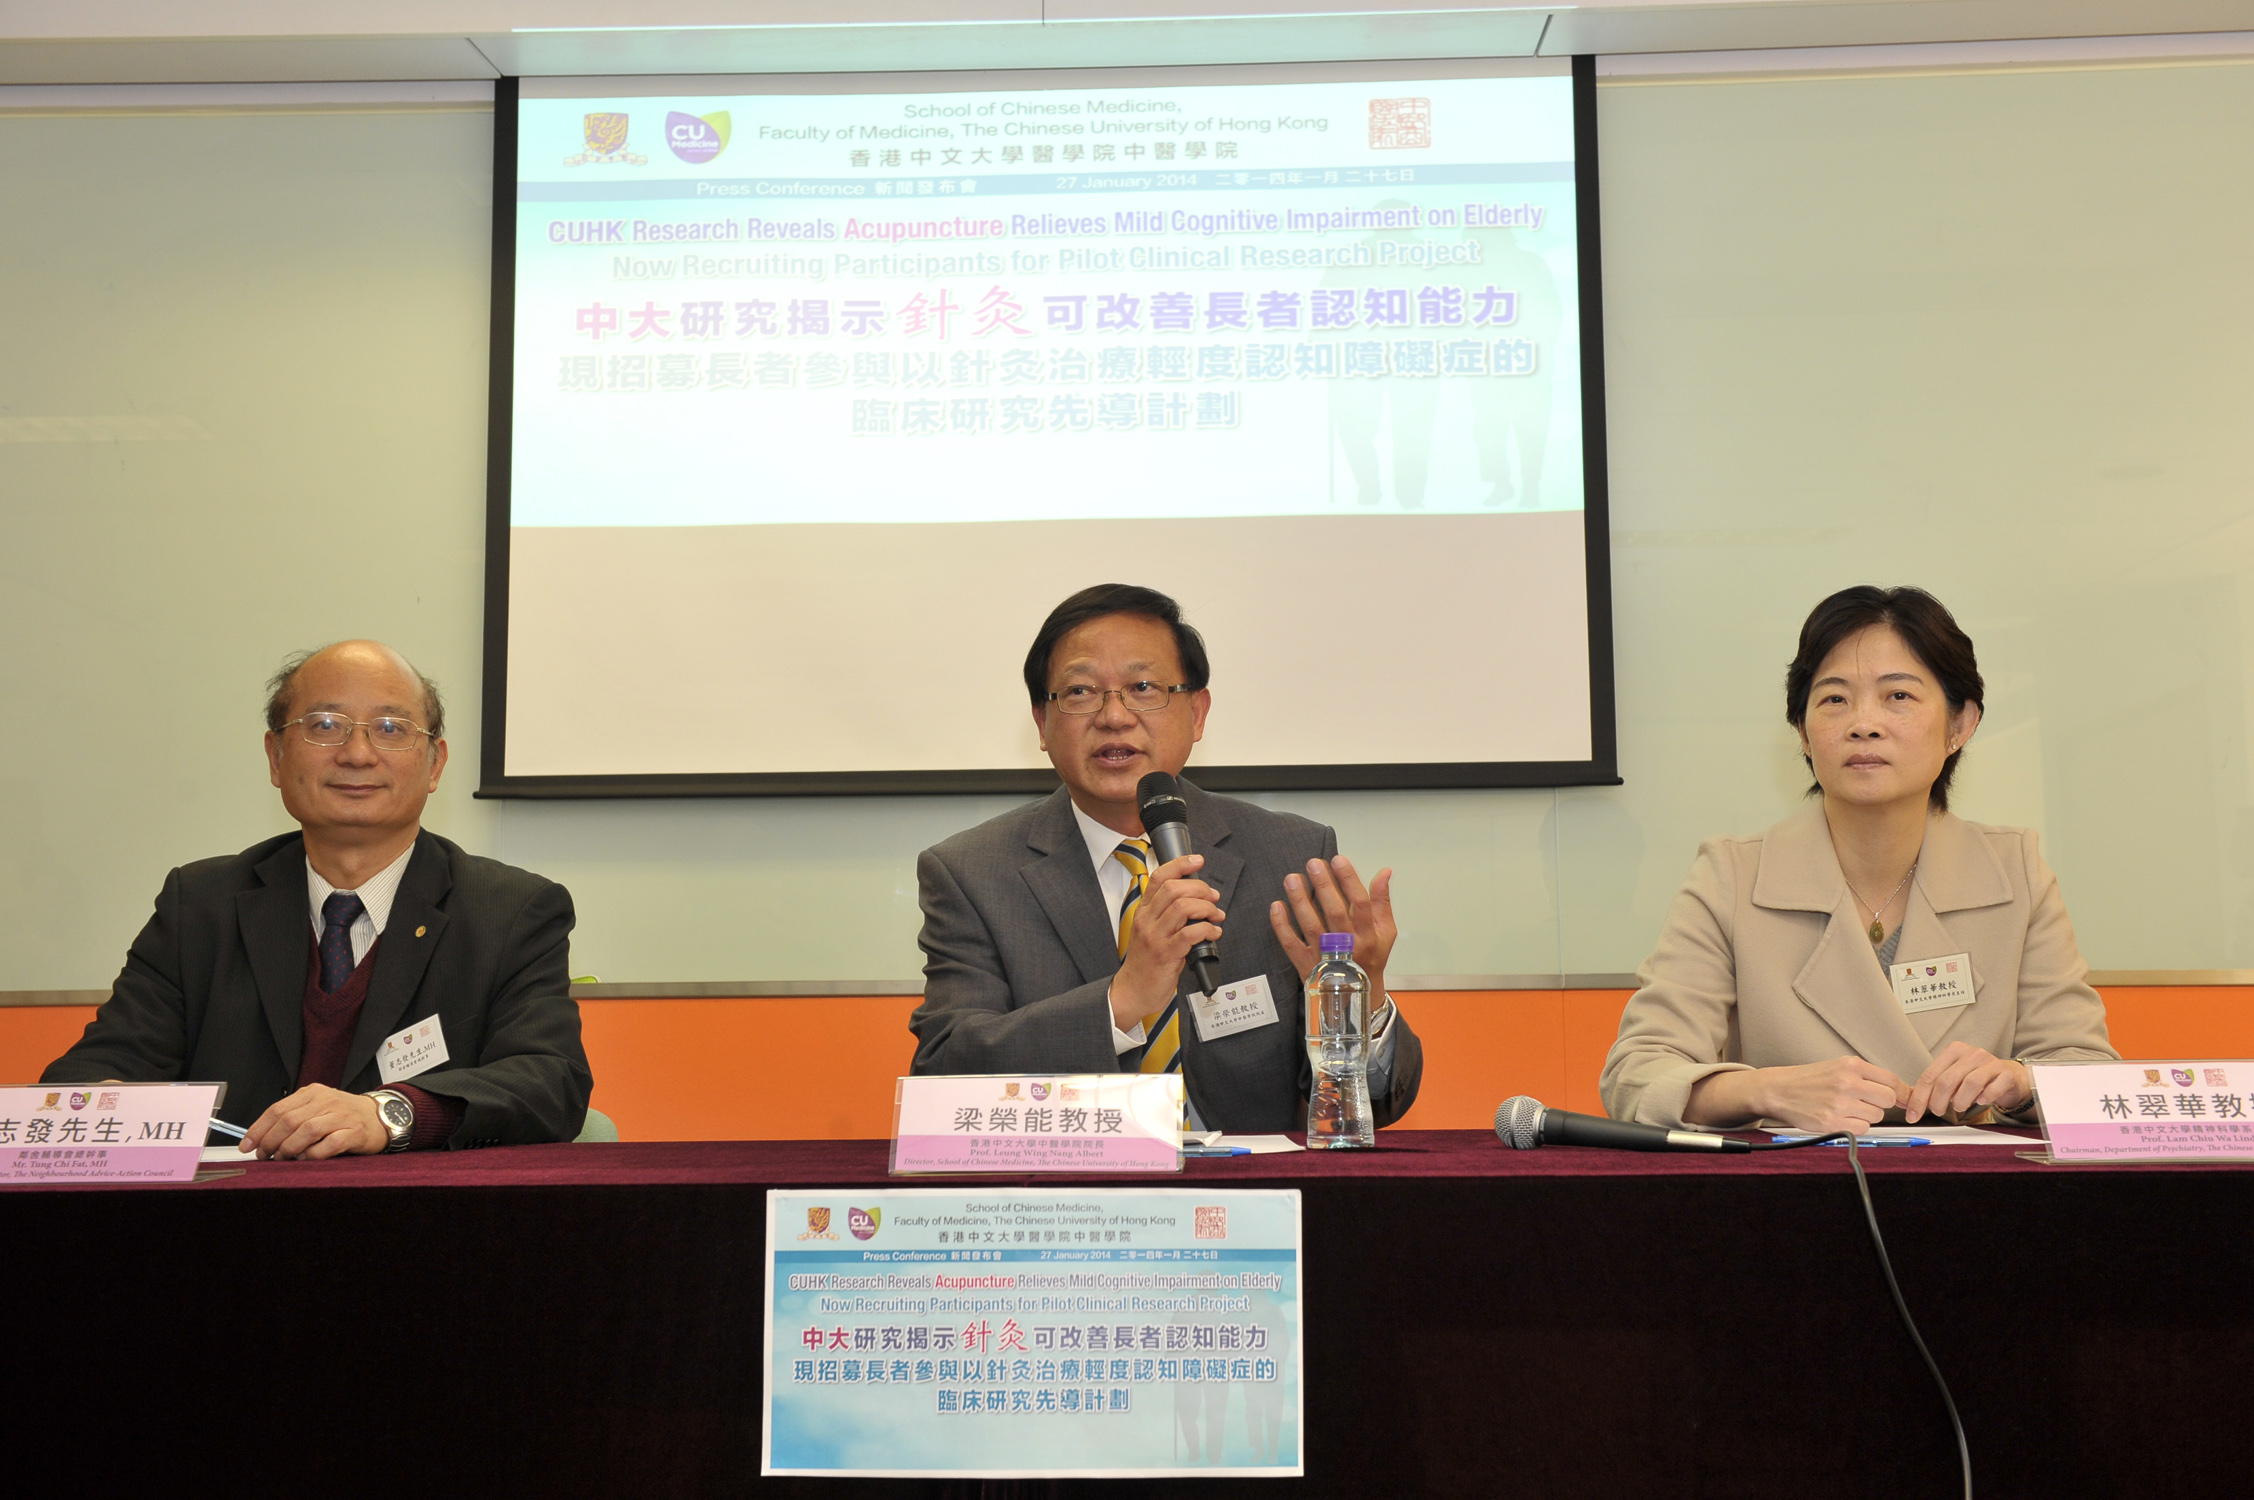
<point x="1400" y="124"/>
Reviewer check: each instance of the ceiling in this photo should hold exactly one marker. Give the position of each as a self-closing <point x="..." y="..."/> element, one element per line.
<point x="243" y="41"/>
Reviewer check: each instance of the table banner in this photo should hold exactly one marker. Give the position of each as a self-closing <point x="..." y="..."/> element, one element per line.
<point x="1089" y="1122"/>
<point x="2196" y="1110"/>
<point x="1032" y="1333"/>
<point x="104" y="1132"/>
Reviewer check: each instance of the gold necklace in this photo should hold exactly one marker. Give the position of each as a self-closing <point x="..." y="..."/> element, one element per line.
<point x="1878" y="929"/>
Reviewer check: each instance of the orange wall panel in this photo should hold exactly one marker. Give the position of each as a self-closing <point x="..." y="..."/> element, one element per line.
<point x="1592" y="1020"/>
<point x="2181" y="1020"/>
<point x="32" y="1036"/>
<point x="1481" y="1047"/>
<point x="821" y="1068"/>
<point x="748" y="1070"/>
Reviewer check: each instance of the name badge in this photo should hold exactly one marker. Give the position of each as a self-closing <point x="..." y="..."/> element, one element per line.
<point x="1243" y="1006"/>
<point x="1933" y="983"/>
<point x="418" y="1049"/>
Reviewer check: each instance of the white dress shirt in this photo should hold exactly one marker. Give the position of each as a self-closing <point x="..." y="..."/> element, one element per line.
<point x="375" y="893"/>
<point x="1114" y="879"/>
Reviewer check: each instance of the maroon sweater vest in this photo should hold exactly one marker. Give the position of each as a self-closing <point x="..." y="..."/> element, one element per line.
<point x="330" y="1018"/>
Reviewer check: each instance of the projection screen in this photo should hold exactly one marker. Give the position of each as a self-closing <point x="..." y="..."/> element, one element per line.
<point x="813" y="395"/>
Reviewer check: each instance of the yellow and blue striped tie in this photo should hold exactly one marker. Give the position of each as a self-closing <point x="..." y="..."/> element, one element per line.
<point x="1162" y="1053"/>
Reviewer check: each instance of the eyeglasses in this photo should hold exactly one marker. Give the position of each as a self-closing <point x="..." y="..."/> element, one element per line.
<point x="385" y="733"/>
<point x="1142" y="697"/>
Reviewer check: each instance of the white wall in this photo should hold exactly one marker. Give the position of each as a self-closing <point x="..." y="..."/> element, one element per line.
<point x="1979" y="331"/>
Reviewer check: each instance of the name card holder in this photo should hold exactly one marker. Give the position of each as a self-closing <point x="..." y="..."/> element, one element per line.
<point x="104" y="1132"/>
<point x="1087" y="1122"/>
<point x="2197" y="1110"/>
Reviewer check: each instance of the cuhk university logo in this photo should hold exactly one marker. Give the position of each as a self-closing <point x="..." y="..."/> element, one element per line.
<point x="863" y="1222"/>
<point x="696" y="138"/>
<point x="605" y="132"/>
<point x="818" y="1225"/>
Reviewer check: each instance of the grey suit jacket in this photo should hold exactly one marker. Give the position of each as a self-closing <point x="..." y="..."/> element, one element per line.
<point x="1019" y="954"/>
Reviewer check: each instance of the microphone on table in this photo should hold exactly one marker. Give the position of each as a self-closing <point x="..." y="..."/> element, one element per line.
<point x="1166" y="818"/>
<point x="1523" y="1124"/>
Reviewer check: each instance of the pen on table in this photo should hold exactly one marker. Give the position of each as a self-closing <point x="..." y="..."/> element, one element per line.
<point x="237" y="1131"/>
<point x="1868" y="1140"/>
<point x="1216" y="1150"/>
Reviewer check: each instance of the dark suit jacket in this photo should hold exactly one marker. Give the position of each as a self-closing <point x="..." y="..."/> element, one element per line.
<point x="214" y="987"/>
<point x="1019" y="954"/>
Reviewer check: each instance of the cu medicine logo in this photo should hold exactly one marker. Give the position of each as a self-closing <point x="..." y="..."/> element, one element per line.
<point x="697" y="139"/>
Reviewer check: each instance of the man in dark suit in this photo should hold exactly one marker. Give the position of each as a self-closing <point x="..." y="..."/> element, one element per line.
<point x="318" y="972"/>
<point x="1052" y="945"/>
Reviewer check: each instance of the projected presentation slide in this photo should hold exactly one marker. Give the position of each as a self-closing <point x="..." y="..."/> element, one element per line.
<point x="824" y="398"/>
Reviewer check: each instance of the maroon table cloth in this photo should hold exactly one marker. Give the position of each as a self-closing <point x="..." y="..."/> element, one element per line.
<point x="1399" y="1153"/>
<point x="586" y="1320"/>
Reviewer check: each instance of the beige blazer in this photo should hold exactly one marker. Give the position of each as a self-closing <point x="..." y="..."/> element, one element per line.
<point x="1766" y="962"/>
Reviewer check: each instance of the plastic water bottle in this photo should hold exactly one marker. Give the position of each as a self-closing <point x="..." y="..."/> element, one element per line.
<point x="1338" y="1020"/>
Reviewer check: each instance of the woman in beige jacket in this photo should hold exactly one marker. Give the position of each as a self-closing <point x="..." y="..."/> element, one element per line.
<point x="1872" y="937"/>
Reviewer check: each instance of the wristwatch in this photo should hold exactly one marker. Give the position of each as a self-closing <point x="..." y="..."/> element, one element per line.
<point x="397" y="1112"/>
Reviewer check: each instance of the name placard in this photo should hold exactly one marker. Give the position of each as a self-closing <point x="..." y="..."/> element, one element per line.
<point x="2196" y="1110"/>
<point x="1087" y="1122"/>
<point x="104" y="1132"/>
<point x="1033" y="1332"/>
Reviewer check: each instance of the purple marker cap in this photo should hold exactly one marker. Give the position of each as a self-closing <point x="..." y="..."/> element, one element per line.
<point x="1337" y="943"/>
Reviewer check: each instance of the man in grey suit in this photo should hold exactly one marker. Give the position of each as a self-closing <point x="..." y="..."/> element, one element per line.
<point x="1050" y="943"/>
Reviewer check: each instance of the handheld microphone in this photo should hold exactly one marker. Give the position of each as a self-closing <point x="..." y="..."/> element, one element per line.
<point x="1523" y="1124"/>
<point x="1166" y="818"/>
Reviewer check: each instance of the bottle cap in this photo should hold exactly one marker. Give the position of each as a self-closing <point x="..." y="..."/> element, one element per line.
<point x="1337" y="942"/>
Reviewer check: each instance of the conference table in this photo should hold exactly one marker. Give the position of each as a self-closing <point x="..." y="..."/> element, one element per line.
<point x="586" y="1320"/>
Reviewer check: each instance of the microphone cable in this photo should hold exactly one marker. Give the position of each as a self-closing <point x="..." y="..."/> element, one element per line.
<point x="1893" y="1287"/>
